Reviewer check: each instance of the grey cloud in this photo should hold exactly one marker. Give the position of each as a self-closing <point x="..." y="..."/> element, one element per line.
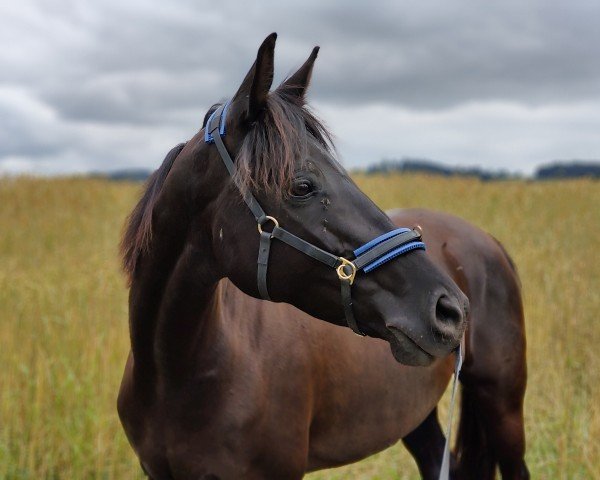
<point x="132" y="97"/>
<point x="26" y="127"/>
<point x="518" y="53"/>
<point x="158" y="65"/>
<point x="424" y="55"/>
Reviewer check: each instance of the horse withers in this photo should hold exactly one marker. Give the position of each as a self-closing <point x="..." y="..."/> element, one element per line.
<point x="220" y="384"/>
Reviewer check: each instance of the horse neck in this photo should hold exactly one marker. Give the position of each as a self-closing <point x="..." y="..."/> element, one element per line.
<point x="174" y="300"/>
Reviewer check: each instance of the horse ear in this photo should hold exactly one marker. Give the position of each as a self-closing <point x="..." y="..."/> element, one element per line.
<point x="297" y="84"/>
<point x="258" y="80"/>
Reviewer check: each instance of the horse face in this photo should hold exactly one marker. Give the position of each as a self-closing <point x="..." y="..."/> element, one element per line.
<point x="284" y="160"/>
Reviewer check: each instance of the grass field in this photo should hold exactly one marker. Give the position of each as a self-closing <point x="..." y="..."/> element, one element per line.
<point x="64" y="337"/>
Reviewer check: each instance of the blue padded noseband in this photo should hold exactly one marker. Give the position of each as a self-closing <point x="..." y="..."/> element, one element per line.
<point x="391" y="254"/>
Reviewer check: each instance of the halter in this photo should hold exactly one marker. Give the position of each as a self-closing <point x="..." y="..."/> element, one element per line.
<point x="371" y="255"/>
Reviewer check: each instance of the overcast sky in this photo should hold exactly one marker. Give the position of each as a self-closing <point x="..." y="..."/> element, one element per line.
<point x="101" y="85"/>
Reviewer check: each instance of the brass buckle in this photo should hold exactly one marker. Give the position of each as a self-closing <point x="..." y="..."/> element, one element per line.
<point x="273" y="219"/>
<point x="342" y="272"/>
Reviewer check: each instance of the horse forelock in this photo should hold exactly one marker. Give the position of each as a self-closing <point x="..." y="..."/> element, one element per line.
<point x="278" y="143"/>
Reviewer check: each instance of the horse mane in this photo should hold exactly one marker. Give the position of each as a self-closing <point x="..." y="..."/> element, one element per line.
<point x="278" y="143"/>
<point x="270" y="153"/>
<point x="138" y="232"/>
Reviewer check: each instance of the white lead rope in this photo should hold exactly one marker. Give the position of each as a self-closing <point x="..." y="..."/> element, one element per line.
<point x="445" y="469"/>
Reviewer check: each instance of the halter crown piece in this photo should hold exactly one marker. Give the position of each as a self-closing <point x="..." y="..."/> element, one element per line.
<point x="371" y="255"/>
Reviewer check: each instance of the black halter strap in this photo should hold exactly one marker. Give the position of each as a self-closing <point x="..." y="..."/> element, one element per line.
<point x="368" y="257"/>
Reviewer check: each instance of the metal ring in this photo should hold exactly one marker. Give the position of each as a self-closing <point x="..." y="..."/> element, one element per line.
<point x="273" y="219"/>
<point x="419" y="229"/>
<point x="342" y="272"/>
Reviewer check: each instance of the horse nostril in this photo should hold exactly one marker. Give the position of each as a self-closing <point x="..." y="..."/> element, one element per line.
<point x="448" y="312"/>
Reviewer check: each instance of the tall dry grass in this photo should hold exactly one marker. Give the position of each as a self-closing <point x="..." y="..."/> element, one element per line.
<point x="64" y="338"/>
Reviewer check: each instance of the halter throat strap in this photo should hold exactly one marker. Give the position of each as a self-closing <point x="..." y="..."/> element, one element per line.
<point x="368" y="257"/>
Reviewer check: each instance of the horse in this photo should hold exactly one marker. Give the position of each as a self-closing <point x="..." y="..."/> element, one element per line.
<point x="221" y="384"/>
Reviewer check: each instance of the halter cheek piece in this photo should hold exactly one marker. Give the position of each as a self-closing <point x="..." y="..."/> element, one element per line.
<point x="371" y="255"/>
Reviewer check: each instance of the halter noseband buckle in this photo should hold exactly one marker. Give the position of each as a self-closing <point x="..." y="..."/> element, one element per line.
<point x="342" y="272"/>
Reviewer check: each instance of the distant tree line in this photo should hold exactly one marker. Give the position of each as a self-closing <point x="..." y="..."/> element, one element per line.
<point x="554" y="170"/>
<point x="573" y="169"/>
<point x="558" y="169"/>
<point x="124" y="175"/>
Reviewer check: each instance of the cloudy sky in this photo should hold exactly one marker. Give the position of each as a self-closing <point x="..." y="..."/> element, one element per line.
<point x="106" y="84"/>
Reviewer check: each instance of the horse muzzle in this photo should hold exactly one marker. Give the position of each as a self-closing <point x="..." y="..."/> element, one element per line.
<point x="436" y="335"/>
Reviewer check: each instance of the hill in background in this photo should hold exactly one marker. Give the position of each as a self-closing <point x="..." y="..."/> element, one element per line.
<point x="555" y="170"/>
<point x="573" y="169"/>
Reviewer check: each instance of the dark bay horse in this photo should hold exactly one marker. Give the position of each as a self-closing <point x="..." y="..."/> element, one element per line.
<point x="222" y="385"/>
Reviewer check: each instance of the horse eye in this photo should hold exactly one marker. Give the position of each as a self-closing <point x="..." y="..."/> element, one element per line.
<point x="301" y="187"/>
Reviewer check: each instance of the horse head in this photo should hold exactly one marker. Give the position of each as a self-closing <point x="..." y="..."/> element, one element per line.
<point x="282" y="191"/>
